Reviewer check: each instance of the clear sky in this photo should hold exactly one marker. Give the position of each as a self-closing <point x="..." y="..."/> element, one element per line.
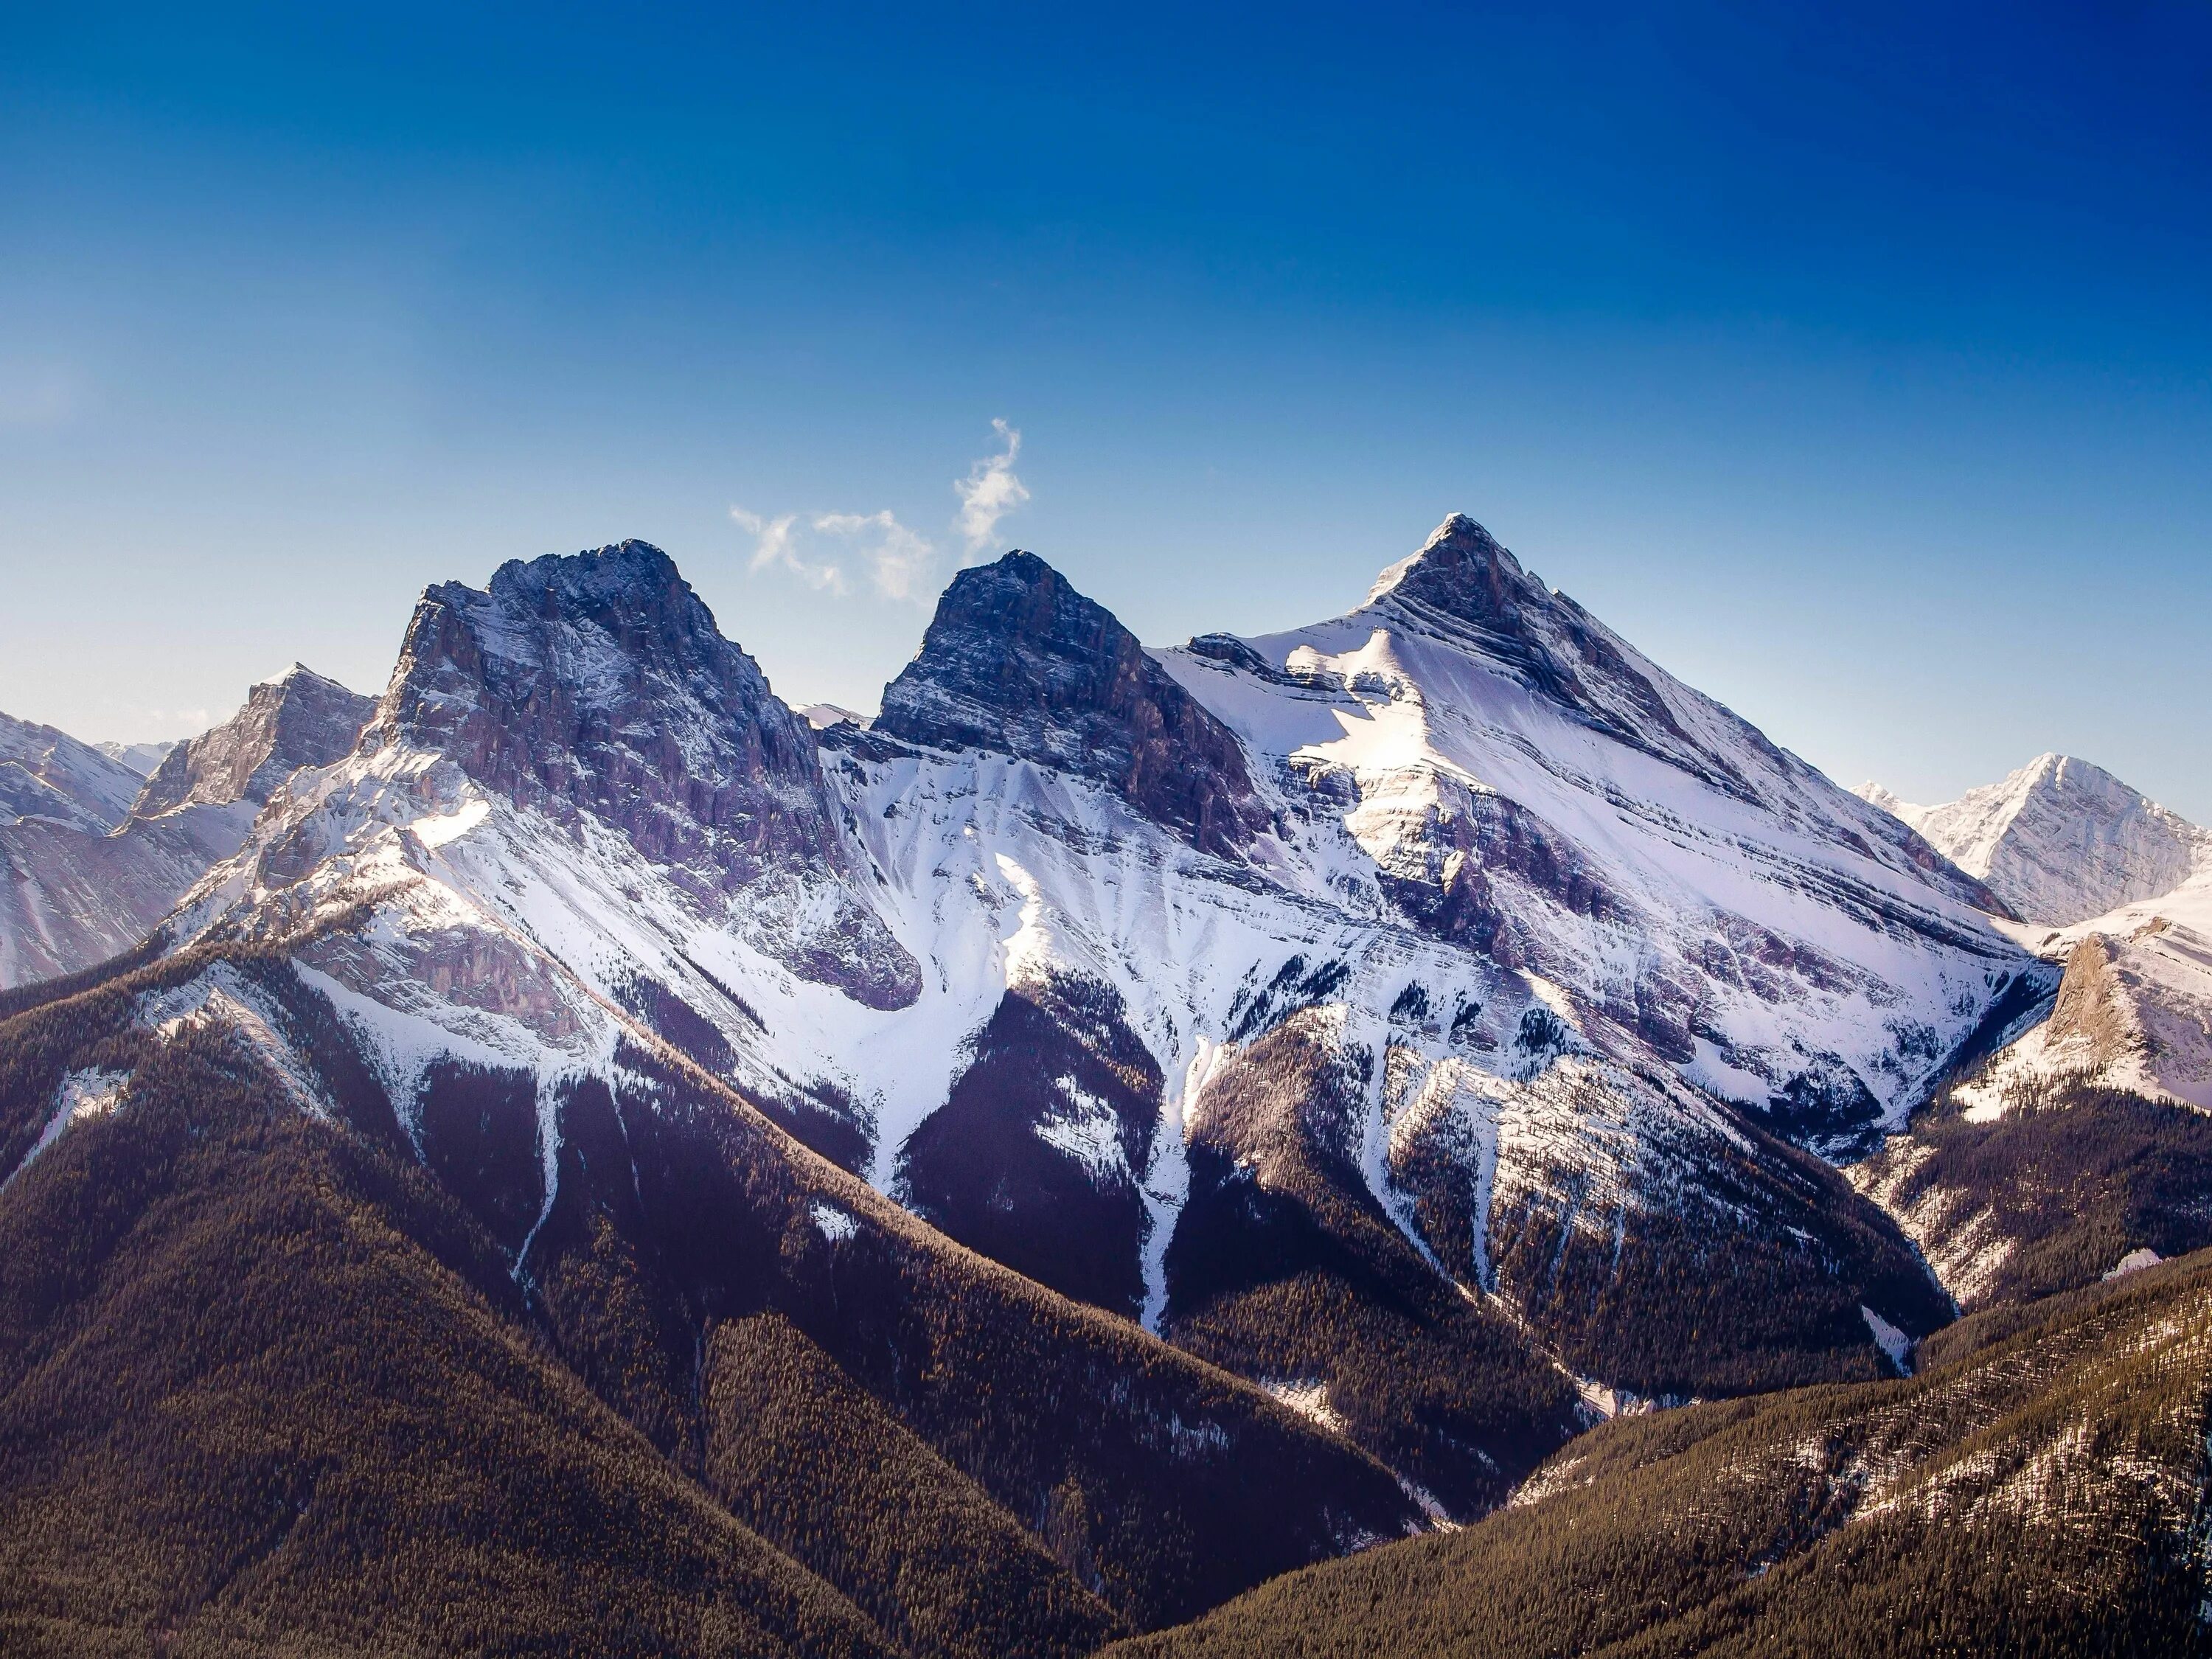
<point x="1859" y="368"/>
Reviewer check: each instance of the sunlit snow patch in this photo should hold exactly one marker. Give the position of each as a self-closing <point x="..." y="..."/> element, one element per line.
<point x="1087" y="1131"/>
<point x="1309" y="1398"/>
<point x="434" y="832"/>
<point x="1890" y="1339"/>
<point x="2135" y="1261"/>
<point x="88" y="1093"/>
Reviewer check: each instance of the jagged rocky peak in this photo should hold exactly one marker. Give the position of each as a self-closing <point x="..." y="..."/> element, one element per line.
<point x="597" y="684"/>
<point x="1016" y="662"/>
<point x="598" y="681"/>
<point x="299" y="718"/>
<point x="2060" y="841"/>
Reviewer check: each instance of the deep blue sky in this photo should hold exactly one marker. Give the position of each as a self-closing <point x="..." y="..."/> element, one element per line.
<point x="1859" y="369"/>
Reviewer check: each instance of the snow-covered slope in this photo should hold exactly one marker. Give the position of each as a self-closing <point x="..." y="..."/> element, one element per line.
<point x="1500" y="769"/>
<point x="2060" y="841"/>
<point x="96" y="853"/>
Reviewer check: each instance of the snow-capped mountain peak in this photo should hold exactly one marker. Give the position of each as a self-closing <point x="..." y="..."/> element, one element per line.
<point x="2060" y="841"/>
<point x="1453" y="920"/>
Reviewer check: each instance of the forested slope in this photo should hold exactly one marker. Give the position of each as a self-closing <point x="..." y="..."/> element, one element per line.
<point x="2037" y="1490"/>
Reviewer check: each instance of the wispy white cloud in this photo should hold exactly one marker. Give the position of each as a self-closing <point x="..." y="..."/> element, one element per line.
<point x="900" y="562"/>
<point x="775" y="546"/>
<point x="990" y="491"/>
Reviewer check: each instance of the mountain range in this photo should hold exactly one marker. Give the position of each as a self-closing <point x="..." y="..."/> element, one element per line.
<point x="1018" y="1171"/>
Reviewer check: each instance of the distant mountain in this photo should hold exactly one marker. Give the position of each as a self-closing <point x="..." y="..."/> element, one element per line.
<point x="2060" y="841"/>
<point x="140" y="758"/>
<point x="98" y="853"/>
<point x="299" y="718"/>
<point x="2080" y="1135"/>
<point x="49" y="776"/>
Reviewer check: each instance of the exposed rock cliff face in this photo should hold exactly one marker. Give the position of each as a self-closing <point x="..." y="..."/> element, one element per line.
<point x="299" y="718"/>
<point x="597" y="686"/>
<point x="1016" y="662"/>
<point x="599" y="683"/>
<point x="2133" y="1011"/>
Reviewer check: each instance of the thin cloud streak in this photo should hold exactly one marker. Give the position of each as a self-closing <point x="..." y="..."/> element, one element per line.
<point x="773" y="547"/>
<point x="990" y="491"/>
<point x="901" y="562"/>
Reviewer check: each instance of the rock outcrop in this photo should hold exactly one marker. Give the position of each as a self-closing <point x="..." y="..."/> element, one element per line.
<point x="299" y="718"/>
<point x="1017" y="663"/>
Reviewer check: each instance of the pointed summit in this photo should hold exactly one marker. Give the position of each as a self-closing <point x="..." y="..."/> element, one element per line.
<point x="1459" y="560"/>
<point x="1017" y="661"/>
<point x="1463" y="585"/>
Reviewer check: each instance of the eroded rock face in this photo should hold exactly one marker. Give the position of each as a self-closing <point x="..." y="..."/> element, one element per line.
<point x="1017" y="662"/>
<point x="299" y="718"/>
<point x="598" y="685"/>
